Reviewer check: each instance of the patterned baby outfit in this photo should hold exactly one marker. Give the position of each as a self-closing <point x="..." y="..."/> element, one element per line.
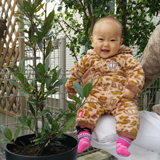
<point x="117" y="72"/>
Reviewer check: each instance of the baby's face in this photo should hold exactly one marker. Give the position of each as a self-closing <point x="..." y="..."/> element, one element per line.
<point x="106" y="39"/>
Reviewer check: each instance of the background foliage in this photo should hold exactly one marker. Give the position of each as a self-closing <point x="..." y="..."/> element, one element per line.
<point x="135" y="15"/>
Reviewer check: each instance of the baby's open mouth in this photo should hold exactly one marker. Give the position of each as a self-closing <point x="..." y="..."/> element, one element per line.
<point x="105" y="50"/>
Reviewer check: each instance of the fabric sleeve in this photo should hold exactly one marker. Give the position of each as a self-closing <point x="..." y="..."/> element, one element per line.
<point x="78" y="70"/>
<point x="150" y="59"/>
<point x="134" y="74"/>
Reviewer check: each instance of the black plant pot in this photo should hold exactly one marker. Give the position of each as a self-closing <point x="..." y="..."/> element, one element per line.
<point x="69" y="155"/>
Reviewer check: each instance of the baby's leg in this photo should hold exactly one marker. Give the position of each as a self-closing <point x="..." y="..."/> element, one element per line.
<point x="89" y="114"/>
<point x="127" y="124"/>
<point x="84" y="137"/>
<point x="87" y="119"/>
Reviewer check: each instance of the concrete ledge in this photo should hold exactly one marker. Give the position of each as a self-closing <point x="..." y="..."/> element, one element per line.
<point x="100" y="155"/>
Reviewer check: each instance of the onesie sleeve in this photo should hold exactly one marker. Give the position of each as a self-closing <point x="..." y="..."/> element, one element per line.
<point x="134" y="74"/>
<point x="78" y="70"/>
<point x="150" y="59"/>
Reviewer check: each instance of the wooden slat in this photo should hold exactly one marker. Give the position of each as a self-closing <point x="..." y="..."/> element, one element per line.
<point x="8" y="113"/>
<point x="12" y="100"/>
<point x="10" y="55"/>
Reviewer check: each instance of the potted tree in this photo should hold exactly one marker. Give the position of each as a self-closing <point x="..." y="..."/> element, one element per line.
<point x="47" y="141"/>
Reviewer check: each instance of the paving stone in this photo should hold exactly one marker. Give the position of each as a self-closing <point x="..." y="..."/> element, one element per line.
<point x="100" y="155"/>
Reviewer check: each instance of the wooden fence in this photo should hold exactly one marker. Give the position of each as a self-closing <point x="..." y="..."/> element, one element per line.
<point x="11" y="49"/>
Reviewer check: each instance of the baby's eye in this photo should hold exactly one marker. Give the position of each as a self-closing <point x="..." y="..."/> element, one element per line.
<point x="101" y="39"/>
<point x="112" y="40"/>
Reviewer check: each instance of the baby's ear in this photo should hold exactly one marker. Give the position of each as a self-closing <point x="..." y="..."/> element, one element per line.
<point x="121" y="41"/>
<point x="91" y="40"/>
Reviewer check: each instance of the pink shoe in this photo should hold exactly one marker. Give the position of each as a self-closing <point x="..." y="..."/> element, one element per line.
<point x="84" y="138"/>
<point x="122" y="146"/>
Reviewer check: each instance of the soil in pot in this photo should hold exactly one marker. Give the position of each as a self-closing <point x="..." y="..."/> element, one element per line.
<point x="33" y="150"/>
<point x="51" y="149"/>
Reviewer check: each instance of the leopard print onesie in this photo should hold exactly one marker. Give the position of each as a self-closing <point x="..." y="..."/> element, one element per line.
<point x="117" y="72"/>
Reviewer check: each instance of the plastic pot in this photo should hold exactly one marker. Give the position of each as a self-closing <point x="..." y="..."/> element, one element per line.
<point x="69" y="155"/>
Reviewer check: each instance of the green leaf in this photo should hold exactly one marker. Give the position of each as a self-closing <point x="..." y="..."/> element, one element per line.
<point x="33" y="101"/>
<point x="54" y="77"/>
<point x="80" y="79"/>
<point x="46" y="126"/>
<point x="22" y="120"/>
<point x="42" y="113"/>
<point x="27" y="7"/>
<point x="33" y="83"/>
<point x="32" y="124"/>
<point x="28" y="122"/>
<point x="97" y="81"/>
<point x="4" y="130"/>
<point x="47" y="63"/>
<point x="58" y="73"/>
<point x="22" y="66"/>
<point x="23" y="93"/>
<point x="71" y="106"/>
<point x="78" y="89"/>
<point x="15" y="83"/>
<point x="48" y="82"/>
<point x="49" y="118"/>
<point x="49" y="20"/>
<point x="48" y="50"/>
<point x="11" y="69"/>
<point x="17" y="133"/>
<point x="39" y="8"/>
<point x="41" y="68"/>
<point x="20" y="76"/>
<point x="60" y="82"/>
<point x="70" y="122"/>
<point x="42" y="132"/>
<point x="75" y="98"/>
<point x="6" y="141"/>
<point x="32" y="109"/>
<point x="87" y="89"/>
<point x="8" y="134"/>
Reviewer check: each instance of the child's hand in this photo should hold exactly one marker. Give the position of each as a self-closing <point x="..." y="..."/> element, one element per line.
<point x="126" y="93"/>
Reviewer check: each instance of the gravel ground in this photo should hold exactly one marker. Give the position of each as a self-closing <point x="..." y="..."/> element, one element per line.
<point x="2" y="154"/>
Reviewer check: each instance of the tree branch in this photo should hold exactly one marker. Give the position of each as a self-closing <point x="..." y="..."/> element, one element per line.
<point x="70" y="40"/>
<point x="71" y="26"/>
<point x="84" y="10"/>
<point x="64" y="31"/>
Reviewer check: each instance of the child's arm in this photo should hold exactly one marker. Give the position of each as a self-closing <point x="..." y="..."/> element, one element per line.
<point x="135" y="76"/>
<point x="76" y="71"/>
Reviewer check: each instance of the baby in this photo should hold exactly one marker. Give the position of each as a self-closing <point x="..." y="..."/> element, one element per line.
<point x="122" y="79"/>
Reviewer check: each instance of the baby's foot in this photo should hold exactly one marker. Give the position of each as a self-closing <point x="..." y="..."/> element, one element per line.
<point x="84" y="143"/>
<point x="122" y="146"/>
<point x="122" y="150"/>
<point x="84" y="138"/>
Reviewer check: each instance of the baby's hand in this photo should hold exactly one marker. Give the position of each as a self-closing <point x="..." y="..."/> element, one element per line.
<point x="126" y="93"/>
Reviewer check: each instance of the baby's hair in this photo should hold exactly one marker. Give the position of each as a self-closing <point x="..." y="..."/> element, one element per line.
<point x="108" y="18"/>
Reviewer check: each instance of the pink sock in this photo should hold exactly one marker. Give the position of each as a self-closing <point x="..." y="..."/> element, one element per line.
<point x="122" y="146"/>
<point x="84" y="138"/>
